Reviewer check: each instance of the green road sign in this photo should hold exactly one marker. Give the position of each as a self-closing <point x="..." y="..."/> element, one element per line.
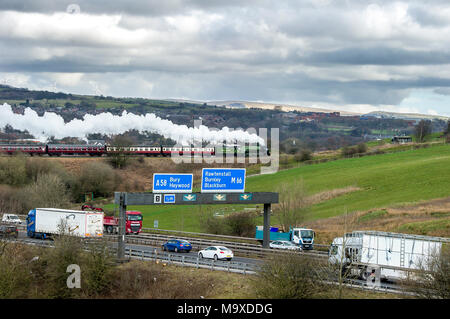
<point x="190" y="197"/>
<point x="220" y="197"/>
<point x="245" y="196"/>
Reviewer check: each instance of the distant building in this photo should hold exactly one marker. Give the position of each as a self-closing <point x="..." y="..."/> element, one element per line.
<point x="401" y="139"/>
<point x="96" y="142"/>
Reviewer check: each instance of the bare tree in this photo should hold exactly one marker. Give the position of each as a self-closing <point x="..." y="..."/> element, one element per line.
<point x="48" y="190"/>
<point x="119" y="157"/>
<point x="293" y="204"/>
<point x="447" y="132"/>
<point x="422" y="130"/>
<point x="433" y="279"/>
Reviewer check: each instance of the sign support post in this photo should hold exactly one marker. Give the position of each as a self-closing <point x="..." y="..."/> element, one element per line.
<point x="122" y="224"/>
<point x="266" y="230"/>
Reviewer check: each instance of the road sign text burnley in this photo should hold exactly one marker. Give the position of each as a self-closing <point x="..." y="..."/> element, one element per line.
<point x="228" y="180"/>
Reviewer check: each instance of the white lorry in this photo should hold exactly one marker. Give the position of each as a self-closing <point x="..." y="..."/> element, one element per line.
<point x="11" y="219"/>
<point x="44" y="222"/>
<point x="360" y="252"/>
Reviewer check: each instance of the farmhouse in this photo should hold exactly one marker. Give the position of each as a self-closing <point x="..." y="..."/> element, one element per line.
<point x="402" y="139"/>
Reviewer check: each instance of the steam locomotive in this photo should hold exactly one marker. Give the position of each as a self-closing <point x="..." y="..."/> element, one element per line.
<point x="145" y="150"/>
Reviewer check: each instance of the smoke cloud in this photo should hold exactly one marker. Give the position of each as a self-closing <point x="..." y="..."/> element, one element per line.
<point x="51" y="124"/>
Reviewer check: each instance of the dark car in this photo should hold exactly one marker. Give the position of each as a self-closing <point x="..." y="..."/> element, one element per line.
<point x="177" y="245"/>
<point x="9" y="231"/>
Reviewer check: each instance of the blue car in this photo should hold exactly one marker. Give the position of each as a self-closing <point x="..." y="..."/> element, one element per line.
<point x="177" y="245"/>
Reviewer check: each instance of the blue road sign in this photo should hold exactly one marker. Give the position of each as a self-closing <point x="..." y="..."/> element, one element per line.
<point x="169" y="198"/>
<point x="227" y="180"/>
<point x="172" y="183"/>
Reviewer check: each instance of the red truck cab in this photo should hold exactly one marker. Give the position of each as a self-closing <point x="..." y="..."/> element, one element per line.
<point x="133" y="223"/>
<point x="111" y="224"/>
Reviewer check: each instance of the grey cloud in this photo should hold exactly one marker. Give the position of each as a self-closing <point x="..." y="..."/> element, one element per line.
<point x="258" y="50"/>
<point x="138" y="7"/>
<point x="380" y="56"/>
<point x="442" y="90"/>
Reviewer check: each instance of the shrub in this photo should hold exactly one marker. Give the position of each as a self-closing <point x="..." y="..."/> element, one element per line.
<point x="15" y="275"/>
<point x="97" y="269"/>
<point x="348" y="151"/>
<point x="12" y="171"/>
<point x="361" y="148"/>
<point x="47" y="191"/>
<point x="304" y="155"/>
<point x="291" y="276"/>
<point x="151" y="281"/>
<point x="212" y="224"/>
<point x="99" y="178"/>
<point x="241" y="224"/>
<point x="38" y="166"/>
<point x="10" y="202"/>
<point x="284" y="159"/>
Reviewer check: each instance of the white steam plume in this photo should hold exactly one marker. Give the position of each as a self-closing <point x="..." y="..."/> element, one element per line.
<point x="51" y="124"/>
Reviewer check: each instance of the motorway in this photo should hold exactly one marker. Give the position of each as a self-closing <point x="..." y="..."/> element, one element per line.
<point x="238" y="264"/>
<point x="142" y="248"/>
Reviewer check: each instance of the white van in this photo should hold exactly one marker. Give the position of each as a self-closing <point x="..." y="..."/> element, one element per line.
<point x="12" y="219"/>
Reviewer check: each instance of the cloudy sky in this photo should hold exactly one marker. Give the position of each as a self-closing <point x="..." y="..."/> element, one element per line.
<point x="353" y="55"/>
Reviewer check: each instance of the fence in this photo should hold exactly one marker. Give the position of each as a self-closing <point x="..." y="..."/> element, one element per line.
<point x="190" y="261"/>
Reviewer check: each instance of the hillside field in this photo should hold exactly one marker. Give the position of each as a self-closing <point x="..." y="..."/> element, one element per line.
<point x="382" y="181"/>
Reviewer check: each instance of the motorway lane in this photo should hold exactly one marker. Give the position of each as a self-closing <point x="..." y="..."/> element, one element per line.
<point x="147" y="248"/>
<point x="193" y="254"/>
<point x="384" y="285"/>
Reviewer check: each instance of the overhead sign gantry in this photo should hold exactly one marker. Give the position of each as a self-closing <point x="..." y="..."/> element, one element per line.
<point x="228" y="189"/>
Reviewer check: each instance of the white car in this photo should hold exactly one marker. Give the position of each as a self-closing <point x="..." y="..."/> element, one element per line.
<point x="12" y="219"/>
<point x="216" y="252"/>
<point x="284" y="244"/>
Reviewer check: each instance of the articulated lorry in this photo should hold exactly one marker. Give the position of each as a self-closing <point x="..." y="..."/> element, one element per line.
<point x="361" y="251"/>
<point x="44" y="222"/>
<point x="133" y="223"/>
<point x="303" y="237"/>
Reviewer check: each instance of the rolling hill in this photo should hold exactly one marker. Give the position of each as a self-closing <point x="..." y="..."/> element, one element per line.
<point x="380" y="181"/>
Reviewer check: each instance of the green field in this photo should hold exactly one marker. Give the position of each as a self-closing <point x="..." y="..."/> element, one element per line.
<point x="99" y="103"/>
<point x="385" y="180"/>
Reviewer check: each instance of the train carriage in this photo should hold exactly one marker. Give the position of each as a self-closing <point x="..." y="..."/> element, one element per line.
<point x="208" y="151"/>
<point x="30" y="149"/>
<point x="65" y="149"/>
<point x="169" y="151"/>
<point x="146" y="150"/>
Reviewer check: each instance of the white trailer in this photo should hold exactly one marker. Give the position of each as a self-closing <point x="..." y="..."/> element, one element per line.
<point x="43" y="222"/>
<point x="392" y="253"/>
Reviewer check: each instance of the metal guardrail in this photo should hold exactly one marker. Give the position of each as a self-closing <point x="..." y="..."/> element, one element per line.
<point x="360" y="284"/>
<point x="148" y="230"/>
<point x="189" y="261"/>
<point x="210" y="242"/>
<point x="199" y="244"/>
